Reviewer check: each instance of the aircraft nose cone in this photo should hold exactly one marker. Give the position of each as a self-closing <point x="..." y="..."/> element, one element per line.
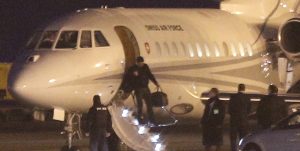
<point x="17" y="83"/>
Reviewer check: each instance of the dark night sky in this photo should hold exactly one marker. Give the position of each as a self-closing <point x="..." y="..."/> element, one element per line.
<point x="19" y="18"/>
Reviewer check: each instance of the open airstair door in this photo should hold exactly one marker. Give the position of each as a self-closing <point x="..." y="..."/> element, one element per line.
<point x="130" y="45"/>
<point x="137" y="136"/>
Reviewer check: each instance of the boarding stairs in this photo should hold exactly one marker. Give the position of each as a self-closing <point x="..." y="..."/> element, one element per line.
<point x="137" y="136"/>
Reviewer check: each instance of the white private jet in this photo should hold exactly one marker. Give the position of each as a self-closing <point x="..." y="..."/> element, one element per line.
<point x="189" y="51"/>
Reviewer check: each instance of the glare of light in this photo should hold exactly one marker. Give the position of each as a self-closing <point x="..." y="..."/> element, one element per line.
<point x="217" y="50"/>
<point x="100" y="94"/>
<point x="255" y="100"/>
<point x="143" y="130"/>
<point x="250" y="51"/>
<point x="242" y="50"/>
<point x="135" y="122"/>
<point x="284" y="5"/>
<point x="191" y="50"/>
<point x="52" y="80"/>
<point x="224" y="99"/>
<point x="98" y="65"/>
<point x="237" y="13"/>
<point x="240" y="142"/>
<point x="291" y="11"/>
<point x="159" y="147"/>
<point x="294" y="110"/>
<point x="194" y="88"/>
<point x="199" y="51"/>
<point x="267" y="75"/>
<point x="125" y="113"/>
<point x="24" y="86"/>
<point x="86" y="9"/>
<point x="206" y="50"/>
<point x="78" y="11"/>
<point x="155" y="138"/>
<point x="266" y="69"/>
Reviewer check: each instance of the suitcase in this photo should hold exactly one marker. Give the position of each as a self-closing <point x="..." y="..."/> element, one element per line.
<point x="159" y="99"/>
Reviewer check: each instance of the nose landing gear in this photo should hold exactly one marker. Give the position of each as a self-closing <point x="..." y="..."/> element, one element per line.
<point x="73" y="130"/>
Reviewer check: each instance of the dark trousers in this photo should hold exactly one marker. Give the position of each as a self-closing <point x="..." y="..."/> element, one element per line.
<point x="113" y="142"/>
<point x="238" y="130"/>
<point x="97" y="141"/>
<point x="144" y="94"/>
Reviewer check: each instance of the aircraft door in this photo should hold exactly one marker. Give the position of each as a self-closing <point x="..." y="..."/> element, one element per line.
<point x="130" y="45"/>
<point x="131" y="51"/>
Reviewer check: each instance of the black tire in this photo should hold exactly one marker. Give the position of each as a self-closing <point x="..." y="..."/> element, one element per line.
<point x="251" y="147"/>
<point x="73" y="148"/>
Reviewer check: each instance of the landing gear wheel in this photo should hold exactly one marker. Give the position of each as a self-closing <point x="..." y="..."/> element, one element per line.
<point x="72" y="129"/>
<point x="73" y="148"/>
<point x="251" y="147"/>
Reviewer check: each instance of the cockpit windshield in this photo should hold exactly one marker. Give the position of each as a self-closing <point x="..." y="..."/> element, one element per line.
<point x="48" y="39"/>
<point x="34" y="40"/>
<point x="67" y="39"/>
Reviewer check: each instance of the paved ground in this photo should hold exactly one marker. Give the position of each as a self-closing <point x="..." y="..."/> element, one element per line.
<point x="45" y="136"/>
<point x="34" y="136"/>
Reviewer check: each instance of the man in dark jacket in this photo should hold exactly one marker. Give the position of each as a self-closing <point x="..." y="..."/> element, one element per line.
<point x="99" y="121"/>
<point x="113" y="141"/>
<point x="239" y="107"/>
<point x="271" y="108"/>
<point x="139" y="76"/>
<point x="212" y="121"/>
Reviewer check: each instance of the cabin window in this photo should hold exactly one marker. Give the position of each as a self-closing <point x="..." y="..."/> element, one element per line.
<point x="226" y="49"/>
<point x="34" y="40"/>
<point x="48" y="39"/>
<point x="67" y="39"/>
<point x="242" y="50"/>
<point x="199" y="51"/>
<point x="206" y="50"/>
<point x="249" y="49"/>
<point x="86" y="39"/>
<point x="184" y="49"/>
<point x="174" y="49"/>
<point x="100" y="40"/>
<point x="166" y="47"/>
<point x="158" y="48"/>
<point x="217" y="50"/>
<point x="233" y="49"/>
<point x="191" y="51"/>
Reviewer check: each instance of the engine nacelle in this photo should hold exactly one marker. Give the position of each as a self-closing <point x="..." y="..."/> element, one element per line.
<point x="289" y="38"/>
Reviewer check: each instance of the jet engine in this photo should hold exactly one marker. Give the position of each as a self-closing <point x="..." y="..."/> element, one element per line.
<point x="289" y="38"/>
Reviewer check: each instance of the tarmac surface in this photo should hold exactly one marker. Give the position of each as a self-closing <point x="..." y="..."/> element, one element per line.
<point x="46" y="136"/>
